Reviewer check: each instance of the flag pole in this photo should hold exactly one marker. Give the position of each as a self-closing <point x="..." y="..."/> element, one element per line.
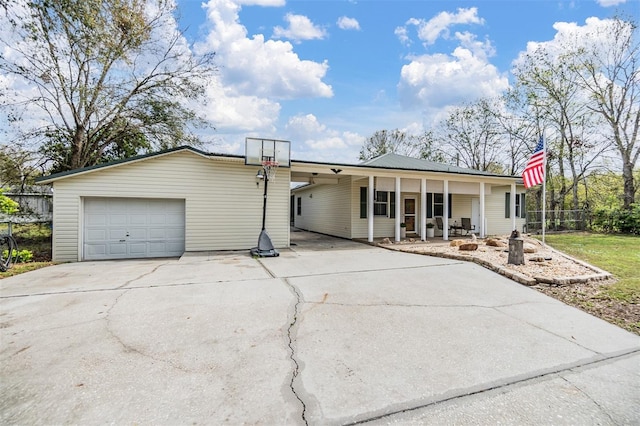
<point x="544" y="187"/>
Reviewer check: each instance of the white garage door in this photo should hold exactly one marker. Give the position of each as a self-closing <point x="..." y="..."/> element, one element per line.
<point x="123" y="228"/>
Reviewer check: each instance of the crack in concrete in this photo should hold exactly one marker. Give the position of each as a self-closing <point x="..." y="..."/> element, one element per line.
<point x="291" y="331"/>
<point x="128" y="348"/>
<point x="590" y="398"/>
<point x="142" y="275"/>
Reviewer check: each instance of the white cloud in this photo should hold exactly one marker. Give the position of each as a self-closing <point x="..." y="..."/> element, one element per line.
<point x="255" y="67"/>
<point x="314" y="140"/>
<point x="300" y="28"/>
<point x="345" y="23"/>
<point x="608" y="3"/>
<point x="429" y="31"/>
<point x="594" y="31"/>
<point x="439" y="80"/>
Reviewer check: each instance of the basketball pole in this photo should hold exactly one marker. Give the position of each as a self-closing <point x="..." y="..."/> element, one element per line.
<point x="265" y="247"/>
<point x="264" y="201"/>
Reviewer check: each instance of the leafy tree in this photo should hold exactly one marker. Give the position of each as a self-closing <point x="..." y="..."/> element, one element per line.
<point x="110" y="78"/>
<point x="7" y="205"/>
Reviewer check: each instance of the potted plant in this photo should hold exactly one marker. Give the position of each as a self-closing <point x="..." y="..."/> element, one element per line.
<point x="403" y="230"/>
<point x="431" y="232"/>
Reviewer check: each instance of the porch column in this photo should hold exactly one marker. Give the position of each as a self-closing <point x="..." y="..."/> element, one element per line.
<point x="512" y="206"/>
<point x="370" y="211"/>
<point x="482" y="219"/>
<point x="423" y="209"/>
<point x="445" y="207"/>
<point x="397" y="212"/>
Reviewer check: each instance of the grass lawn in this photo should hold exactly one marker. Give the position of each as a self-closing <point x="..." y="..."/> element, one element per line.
<point x="617" y="302"/>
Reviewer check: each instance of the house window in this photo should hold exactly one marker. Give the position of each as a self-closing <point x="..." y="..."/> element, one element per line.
<point x="384" y="203"/>
<point x="520" y="205"/>
<point x="438" y="204"/>
<point x="299" y="206"/>
<point x="381" y="203"/>
<point x="435" y="205"/>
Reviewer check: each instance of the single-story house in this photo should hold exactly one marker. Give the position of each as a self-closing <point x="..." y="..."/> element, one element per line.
<point x="186" y="200"/>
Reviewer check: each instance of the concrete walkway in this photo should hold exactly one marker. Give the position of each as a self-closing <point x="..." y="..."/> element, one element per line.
<point x="330" y="332"/>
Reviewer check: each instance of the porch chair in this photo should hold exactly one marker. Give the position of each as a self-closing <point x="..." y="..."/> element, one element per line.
<point x="467" y="226"/>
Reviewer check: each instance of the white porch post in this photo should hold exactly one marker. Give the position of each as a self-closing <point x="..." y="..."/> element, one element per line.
<point x="423" y="209"/>
<point x="397" y="212"/>
<point x="445" y="213"/>
<point x="370" y="211"/>
<point x="482" y="219"/>
<point x="513" y="206"/>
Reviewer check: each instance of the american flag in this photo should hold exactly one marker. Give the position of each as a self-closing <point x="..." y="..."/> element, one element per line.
<point x="533" y="173"/>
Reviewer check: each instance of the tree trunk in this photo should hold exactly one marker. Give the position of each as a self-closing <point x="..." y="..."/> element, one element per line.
<point x="629" y="185"/>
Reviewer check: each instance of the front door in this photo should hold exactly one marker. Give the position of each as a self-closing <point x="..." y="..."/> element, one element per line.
<point x="410" y="214"/>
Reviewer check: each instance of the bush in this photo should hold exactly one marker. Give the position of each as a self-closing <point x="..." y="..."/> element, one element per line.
<point x="617" y="220"/>
<point x="22" y="256"/>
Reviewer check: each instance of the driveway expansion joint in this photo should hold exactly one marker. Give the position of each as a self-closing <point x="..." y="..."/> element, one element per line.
<point x="552" y="372"/>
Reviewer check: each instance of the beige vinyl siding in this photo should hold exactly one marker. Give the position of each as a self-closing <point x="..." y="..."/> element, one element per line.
<point x="382" y="226"/>
<point x="223" y="204"/>
<point x="497" y="224"/>
<point x="325" y="208"/>
<point x="461" y="207"/>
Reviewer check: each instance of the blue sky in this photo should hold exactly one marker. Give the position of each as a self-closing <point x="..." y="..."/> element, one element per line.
<point x="327" y="74"/>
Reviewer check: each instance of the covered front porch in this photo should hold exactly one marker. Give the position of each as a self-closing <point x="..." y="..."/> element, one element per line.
<point x="369" y="201"/>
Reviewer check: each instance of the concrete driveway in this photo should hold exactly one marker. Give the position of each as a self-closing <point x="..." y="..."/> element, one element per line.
<point x="330" y="332"/>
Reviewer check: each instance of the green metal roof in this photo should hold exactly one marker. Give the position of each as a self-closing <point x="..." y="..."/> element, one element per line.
<point x="395" y="161"/>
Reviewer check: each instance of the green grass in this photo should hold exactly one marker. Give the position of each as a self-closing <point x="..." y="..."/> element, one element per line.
<point x="617" y="254"/>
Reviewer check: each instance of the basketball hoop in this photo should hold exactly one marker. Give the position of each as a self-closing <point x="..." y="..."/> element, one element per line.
<point x="269" y="154"/>
<point x="270" y="168"/>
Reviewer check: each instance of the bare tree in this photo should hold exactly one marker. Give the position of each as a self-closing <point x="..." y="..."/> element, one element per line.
<point x="106" y="78"/>
<point x="471" y="137"/>
<point x="385" y="141"/>
<point x="551" y="88"/>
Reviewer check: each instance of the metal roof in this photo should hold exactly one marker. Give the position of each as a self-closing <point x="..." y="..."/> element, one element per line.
<point x="395" y="161"/>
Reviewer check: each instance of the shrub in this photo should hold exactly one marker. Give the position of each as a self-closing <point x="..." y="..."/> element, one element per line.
<point x="22" y="256"/>
<point x="617" y="220"/>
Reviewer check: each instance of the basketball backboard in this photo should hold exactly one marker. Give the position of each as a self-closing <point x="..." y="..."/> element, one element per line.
<point x="258" y="150"/>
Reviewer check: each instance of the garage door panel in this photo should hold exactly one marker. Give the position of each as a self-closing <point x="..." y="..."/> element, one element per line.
<point x="96" y="219"/>
<point x="137" y="233"/>
<point x="173" y="233"/>
<point x="95" y="235"/>
<point x="117" y="228"/>
<point x="138" y="219"/>
<point x="116" y="219"/>
<point x="118" y="249"/>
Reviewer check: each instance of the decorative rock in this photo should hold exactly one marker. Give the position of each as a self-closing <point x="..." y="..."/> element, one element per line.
<point x="456" y="243"/>
<point x="536" y="259"/>
<point x="468" y="246"/>
<point x="495" y="243"/>
<point x="386" y="241"/>
<point x="529" y="248"/>
<point x="412" y="240"/>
